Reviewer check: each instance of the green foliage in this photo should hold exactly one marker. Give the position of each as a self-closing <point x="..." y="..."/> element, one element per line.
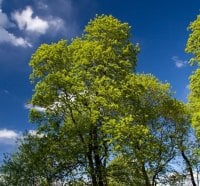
<point x="193" y="43"/>
<point x="193" y="46"/>
<point x="39" y="160"/>
<point x="148" y="138"/>
<point x="80" y="85"/>
<point x="101" y="123"/>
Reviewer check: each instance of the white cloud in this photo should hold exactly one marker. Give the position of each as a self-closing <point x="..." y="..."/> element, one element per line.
<point x="8" y="137"/>
<point x="179" y="62"/>
<point x="10" y="134"/>
<point x="35" y="25"/>
<point x="26" y="21"/>
<point x="38" y="108"/>
<point x="7" y="37"/>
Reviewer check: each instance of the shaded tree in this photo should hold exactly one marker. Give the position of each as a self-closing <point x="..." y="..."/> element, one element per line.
<point x="38" y="161"/>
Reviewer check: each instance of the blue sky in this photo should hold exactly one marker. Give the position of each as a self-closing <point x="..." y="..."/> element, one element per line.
<point x="160" y="28"/>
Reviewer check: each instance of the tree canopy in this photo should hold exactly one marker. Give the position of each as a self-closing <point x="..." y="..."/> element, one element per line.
<point x="193" y="46"/>
<point x="101" y="123"/>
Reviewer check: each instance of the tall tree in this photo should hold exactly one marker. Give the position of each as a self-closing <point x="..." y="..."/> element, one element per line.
<point x="148" y="141"/>
<point x="80" y="87"/>
<point x="98" y="115"/>
<point x="193" y="46"/>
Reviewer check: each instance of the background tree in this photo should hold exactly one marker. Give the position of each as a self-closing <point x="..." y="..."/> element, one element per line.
<point x="39" y="161"/>
<point x="193" y="46"/>
<point x="148" y="141"/>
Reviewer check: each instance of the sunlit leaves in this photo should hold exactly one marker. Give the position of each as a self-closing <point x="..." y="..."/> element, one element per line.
<point x="193" y="46"/>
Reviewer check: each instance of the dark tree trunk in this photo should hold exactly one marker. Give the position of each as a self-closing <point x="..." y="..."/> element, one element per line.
<point x="189" y="166"/>
<point x="89" y="155"/>
<point x="145" y="175"/>
<point x="98" y="163"/>
<point x="144" y="172"/>
<point x="91" y="166"/>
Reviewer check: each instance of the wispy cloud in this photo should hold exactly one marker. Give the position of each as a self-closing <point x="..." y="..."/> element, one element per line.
<point x="6" y="36"/>
<point x="34" y="107"/>
<point x="56" y="23"/>
<point x="179" y="62"/>
<point x="41" y="5"/>
<point x="4" y="92"/>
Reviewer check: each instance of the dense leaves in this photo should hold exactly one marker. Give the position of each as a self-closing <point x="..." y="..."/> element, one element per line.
<point x="193" y="46"/>
<point x="100" y="123"/>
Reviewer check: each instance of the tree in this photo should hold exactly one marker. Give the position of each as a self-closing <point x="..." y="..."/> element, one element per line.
<point x="80" y="85"/>
<point x="18" y="168"/>
<point x="98" y="115"/>
<point x="148" y="141"/>
<point x="193" y="46"/>
<point x="39" y="161"/>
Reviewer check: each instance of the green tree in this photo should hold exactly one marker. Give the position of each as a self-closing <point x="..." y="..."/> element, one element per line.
<point x="80" y="87"/>
<point x="18" y="169"/>
<point x="148" y="140"/>
<point x="101" y="124"/>
<point x="193" y="46"/>
<point x="38" y="160"/>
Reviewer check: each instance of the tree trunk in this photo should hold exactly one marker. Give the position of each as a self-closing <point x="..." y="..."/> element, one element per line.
<point x="98" y="164"/>
<point x="189" y="166"/>
<point x="91" y="166"/>
<point x="146" y="178"/>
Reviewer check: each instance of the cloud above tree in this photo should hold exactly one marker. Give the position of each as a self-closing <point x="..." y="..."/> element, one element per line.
<point x="8" y="37"/>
